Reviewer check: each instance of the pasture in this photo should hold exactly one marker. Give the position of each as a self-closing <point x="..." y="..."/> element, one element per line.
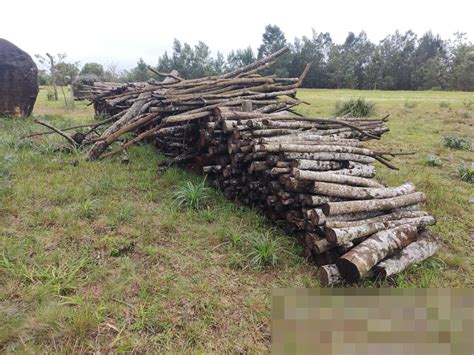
<point x="98" y="257"/>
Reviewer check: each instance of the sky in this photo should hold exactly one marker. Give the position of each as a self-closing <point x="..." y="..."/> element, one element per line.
<point x="121" y="32"/>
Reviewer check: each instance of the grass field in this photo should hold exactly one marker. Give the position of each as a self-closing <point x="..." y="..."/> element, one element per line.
<point x="97" y="257"/>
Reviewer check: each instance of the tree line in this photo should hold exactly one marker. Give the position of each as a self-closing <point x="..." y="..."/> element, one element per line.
<point x="400" y="61"/>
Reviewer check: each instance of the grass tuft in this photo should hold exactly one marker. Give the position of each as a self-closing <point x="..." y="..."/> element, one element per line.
<point x="355" y="108"/>
<point x="88" y="208"/>
<point x="192" y="195"/>
<point x="456" y="142"/>
<point x="264" y="250"/>
<point x="444" y="104"/>
<point x="433" y="160"/>
<point x="466" y="173"/>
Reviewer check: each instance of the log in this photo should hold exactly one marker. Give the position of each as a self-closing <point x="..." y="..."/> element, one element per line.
<point x="328" y="275"/>
<point x="318" y="218"/>
<point x="322" y="148"/>
<point x="361" y="193"/>
<point x="318" y="165"/>
<point x="334" y="178"/>
<point x="426" y="246"/>
<point x="341" y="236"/>
<point x="339" y="222"/>
<point x="131" y="114"/>
<point x="356" y="263"/>
<point x="330" y="156"/>
<point x="314" y="200"/>
<point x="337" y="208"/>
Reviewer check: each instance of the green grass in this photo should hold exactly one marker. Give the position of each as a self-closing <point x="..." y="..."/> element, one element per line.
<point x="97" y="257"/>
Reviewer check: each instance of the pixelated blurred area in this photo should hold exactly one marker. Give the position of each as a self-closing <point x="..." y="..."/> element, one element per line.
<point x="373" y="321"/>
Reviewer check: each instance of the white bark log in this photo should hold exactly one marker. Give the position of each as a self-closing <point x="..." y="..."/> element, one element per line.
<point x="340" y="236"/>
<point x="318" y="165"/>
<point x="275" y="147"/>
<point x="336" y="222"/>
<point x="361" y="193"/>
<point x="328" y="275"/>
<point x="426" y="246"/>
<point x="356" y="263"/>
<point x="330" y="156"/>
<point x="336" y="208"/>
<point x="334" y="178"/>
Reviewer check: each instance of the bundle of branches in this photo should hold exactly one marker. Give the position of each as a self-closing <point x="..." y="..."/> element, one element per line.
<point x="87" y="87"/>
<point x="161" y="104"/>
<point x="316" y="175"/>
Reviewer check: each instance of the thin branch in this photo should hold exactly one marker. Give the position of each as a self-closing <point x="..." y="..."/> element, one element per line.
<point x="57" y="130"/>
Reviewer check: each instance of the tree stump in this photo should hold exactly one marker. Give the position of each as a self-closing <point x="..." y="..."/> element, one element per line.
<point x="18" y="81"/>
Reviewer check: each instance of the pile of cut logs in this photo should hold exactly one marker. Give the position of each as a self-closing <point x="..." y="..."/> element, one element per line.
<point x="315" y="174"/>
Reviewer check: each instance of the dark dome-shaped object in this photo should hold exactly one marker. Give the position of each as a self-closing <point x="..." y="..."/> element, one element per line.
<point x="18" y="81"/>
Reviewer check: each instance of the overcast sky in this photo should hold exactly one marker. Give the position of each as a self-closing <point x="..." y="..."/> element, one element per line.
<point x="123" y="31"/>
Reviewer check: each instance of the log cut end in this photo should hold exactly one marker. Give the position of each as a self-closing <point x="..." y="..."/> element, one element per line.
<point x="328" y="275"/>
<point x="326" y="208"/>
<point x="330" y="235"/>
<point x="348" y="270"/>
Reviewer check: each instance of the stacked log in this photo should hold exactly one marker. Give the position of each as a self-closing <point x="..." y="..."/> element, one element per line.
<point x="314" y="174"/>
<point x="334" y="205"/>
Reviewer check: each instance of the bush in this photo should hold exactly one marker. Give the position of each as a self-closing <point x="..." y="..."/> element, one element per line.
<point x="355" y="107"/>
<point x="466" y="173"/>
<point x="264" y="250"/>
<point x="50" y="96"/>
<point x="468" y="103"/>
<point x="433" y="160"/>
<point x="410" y="104"/>
<point x="192" y="195"/>
<point x="444" y="104"/>
<point x="455" y="142"/>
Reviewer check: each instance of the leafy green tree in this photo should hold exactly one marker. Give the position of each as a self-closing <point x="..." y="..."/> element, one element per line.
<point x="66" y="72"/>
<point x="311" y="50"/>
<point x="93" y="68"/>
<point x="462" y="70"/>
<point x="140" y="73"/>
<point x="392" y="64"/>
<point x="274" y="39"/>
<point x="240" y="58"/>
<point x="430" y="63"/>
<point x="348" y="63"/>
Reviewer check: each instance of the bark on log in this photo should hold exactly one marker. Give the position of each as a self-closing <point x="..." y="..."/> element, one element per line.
<point x="356" y="263"/>
<point x="131" y="114"/>
<point x="330" y="156"/>
<point x="426" y="246"/>
<point x="334" y="178"/>
<point x="337" y="208"/>
<point x="328" y="275"/>
<point x="317" y="165"/>
<point x="361" y="193"/>
<point x="296" y="148"/>
<point x="341" y="236"/>
<point x="338" y="222"/>
<point x="318" y="218"/>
